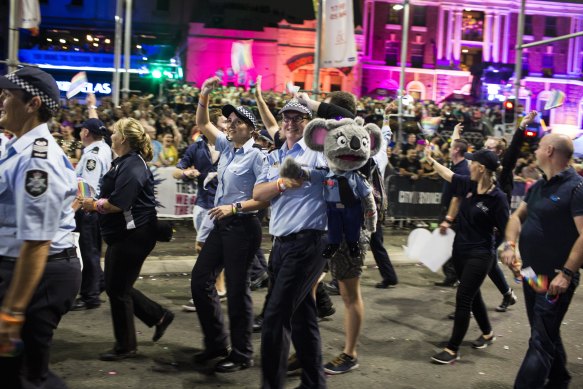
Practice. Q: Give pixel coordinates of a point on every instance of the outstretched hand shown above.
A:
(528, 119)
(209, 85)
(258, 90)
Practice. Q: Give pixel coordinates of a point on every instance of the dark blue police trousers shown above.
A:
(295, 265)
(545, 358)
(231, 245)
(92, 282)
(52, 298)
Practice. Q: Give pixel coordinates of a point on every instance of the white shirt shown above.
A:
(94, 163)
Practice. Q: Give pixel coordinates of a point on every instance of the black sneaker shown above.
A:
(293, 364)
(343, 363)
(508, 300)
(445, 358)
(325, 312)
(354, 250)
(482, 342)
(330, 250)
(332, 288)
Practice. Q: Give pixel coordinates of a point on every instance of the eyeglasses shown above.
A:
(293, 119)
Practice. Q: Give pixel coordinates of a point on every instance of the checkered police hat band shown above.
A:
(248, 115)
(295, 106)
(50, 103)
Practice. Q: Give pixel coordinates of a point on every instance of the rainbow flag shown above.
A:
(241, 57)
(430, 123)
(84, 190)
(77, 84)
(557, 99)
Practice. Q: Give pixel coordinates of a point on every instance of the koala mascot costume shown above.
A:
(347, 145)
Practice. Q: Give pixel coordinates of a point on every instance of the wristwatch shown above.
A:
(239, 206)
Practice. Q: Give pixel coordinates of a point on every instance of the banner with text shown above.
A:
(338, 44)
(417, 199)
(176, 198)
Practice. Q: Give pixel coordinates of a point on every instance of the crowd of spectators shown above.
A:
(171, 125)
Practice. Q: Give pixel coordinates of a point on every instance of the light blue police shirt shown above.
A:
(94, 163)
(297, 209)
(37, 187)
(359, 185)
(237, 171)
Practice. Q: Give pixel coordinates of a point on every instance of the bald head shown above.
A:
(562, 145)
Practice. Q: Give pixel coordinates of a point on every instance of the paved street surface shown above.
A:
(404, 326)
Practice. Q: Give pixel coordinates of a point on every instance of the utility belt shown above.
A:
(67, 254)
(299, 235)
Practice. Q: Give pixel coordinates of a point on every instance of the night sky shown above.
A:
(256, 14)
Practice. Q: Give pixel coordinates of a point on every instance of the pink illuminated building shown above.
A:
(449, 40)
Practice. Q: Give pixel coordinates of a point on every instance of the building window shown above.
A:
(547, 61)
(473, 26)
(162, 5)
(394, 16)
(419, 16)
(527, 24)
(550, 26)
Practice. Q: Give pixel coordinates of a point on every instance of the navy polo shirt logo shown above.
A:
(37, 182)
(482, 207)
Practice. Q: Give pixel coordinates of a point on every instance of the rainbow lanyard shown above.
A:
(538, 282)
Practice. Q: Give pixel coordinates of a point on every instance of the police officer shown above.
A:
(92, 166)
(234, 240)
(298, 221)
(39, 270)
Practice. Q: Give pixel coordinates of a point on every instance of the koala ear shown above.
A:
(375, 138)
(315, 134)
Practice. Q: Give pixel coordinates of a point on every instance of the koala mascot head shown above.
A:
(347, 144)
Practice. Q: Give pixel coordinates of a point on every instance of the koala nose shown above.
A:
(355, 143)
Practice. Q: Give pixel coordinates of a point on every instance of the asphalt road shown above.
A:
(403, 327)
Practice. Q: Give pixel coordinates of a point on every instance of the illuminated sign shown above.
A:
(99, 88)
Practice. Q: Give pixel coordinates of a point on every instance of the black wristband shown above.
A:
(568, 272)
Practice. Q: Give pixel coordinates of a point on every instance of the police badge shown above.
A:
(91, 164)
(36, 182)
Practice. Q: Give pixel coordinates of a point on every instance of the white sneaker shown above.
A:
(189, 307)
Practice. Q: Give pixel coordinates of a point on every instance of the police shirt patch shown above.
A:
(40, 148)
(90, 165)
(95, 150)
(36, 182)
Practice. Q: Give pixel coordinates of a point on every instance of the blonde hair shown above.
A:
(138, 140)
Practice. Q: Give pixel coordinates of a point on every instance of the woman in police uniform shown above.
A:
(127, 217)
(233, 241)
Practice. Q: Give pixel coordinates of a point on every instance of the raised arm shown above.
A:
(267, 117)
(457, 132)
(91, 103)
(202, 112)
(444, 172)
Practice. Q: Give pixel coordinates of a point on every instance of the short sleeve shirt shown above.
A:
(129, 185)
(94, 163)
(549, 232)
(478, 215)
(237, 171)
(37, 188)
(199, 156)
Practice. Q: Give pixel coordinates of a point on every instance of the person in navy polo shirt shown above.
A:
(549, 222)
(483, 208)
(127, 217)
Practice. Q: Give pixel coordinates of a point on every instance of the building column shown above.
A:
(496, 38)
(366, 28)
(440, 34)
(449, 36)
(578, 47)
(457, 38)
(506, 38)
(371, 29)
(487, 44)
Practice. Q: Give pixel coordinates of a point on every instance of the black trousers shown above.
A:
(295, 266)
(53, 298)
(123, 262)
(545, 360)
(231, 245)
(381, 257)
(92, 281)
(472, 270)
